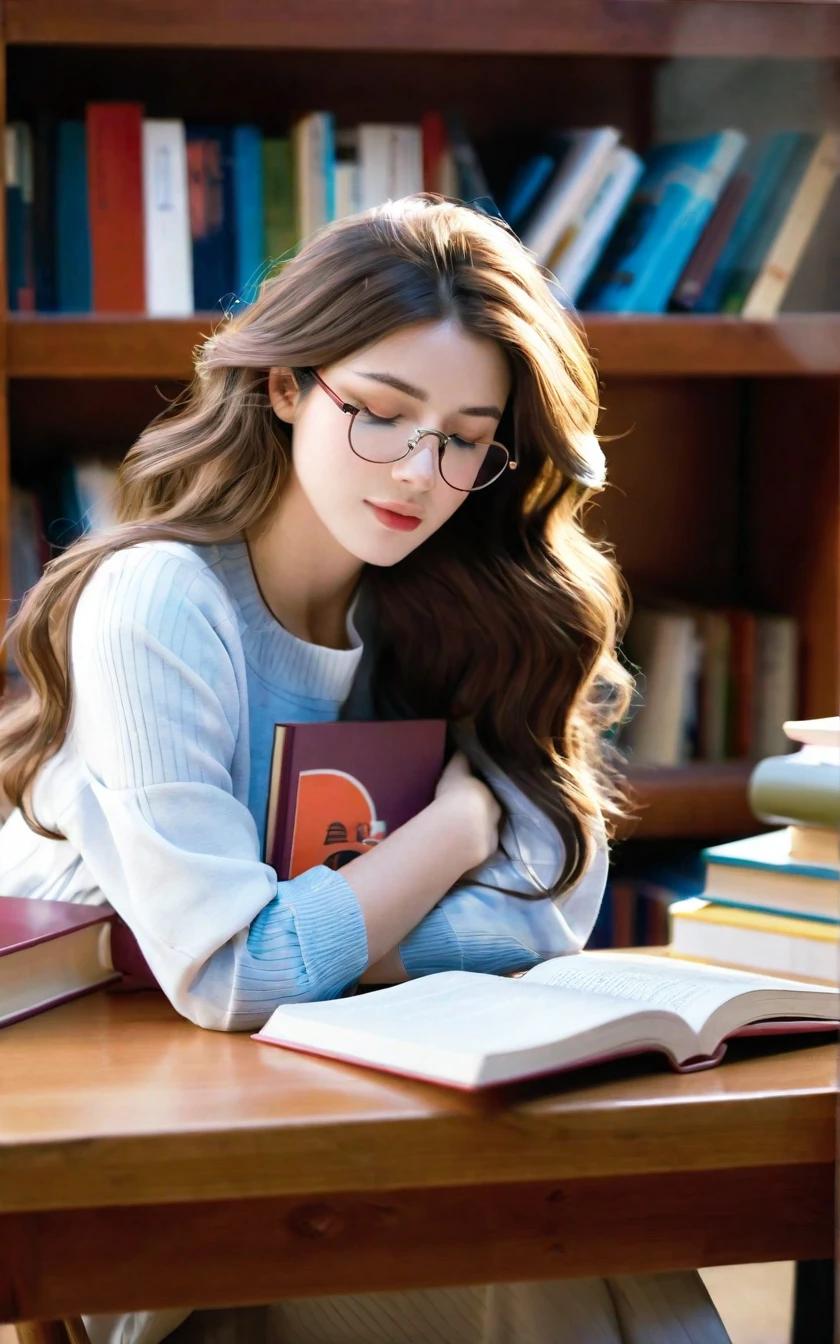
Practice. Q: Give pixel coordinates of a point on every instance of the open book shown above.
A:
(471, 1030)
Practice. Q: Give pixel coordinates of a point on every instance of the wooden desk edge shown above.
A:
(63, 1263)
(787, 1129)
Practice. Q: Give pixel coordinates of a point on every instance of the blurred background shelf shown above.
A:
(90, 346)
(699, 799)
(631, 27)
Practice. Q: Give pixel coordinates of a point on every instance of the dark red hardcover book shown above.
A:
(52, 951)
(115, 194)
(335, 789)
(703, 259)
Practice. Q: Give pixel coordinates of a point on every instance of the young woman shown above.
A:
(368, 504)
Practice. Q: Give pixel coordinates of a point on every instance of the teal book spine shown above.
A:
(765, 164)
(662, 224)
(249, 222)
(762, 237)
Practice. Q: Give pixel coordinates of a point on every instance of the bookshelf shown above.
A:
(724, 466)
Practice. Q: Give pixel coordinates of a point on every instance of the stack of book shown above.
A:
(124, 212)
(772, 902)
(712, 685)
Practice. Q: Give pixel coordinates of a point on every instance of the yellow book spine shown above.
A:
(708, 912)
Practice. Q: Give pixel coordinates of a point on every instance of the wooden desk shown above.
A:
(127, 1134)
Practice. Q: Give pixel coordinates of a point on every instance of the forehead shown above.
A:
(436, 357)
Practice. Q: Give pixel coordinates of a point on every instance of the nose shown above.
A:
(419, 467)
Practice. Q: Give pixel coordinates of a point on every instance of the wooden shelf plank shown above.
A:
(703, 798)
(90, 346)
(632, 27)
(807, 343)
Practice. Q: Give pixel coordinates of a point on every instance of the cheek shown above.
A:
(446, 503)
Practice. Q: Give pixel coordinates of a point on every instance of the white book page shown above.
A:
(695, 992)
(448, 1024)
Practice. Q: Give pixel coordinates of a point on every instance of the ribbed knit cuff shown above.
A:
(496, 954)
(331, 930)
(431, 946)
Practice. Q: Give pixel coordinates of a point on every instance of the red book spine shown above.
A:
(115, 191)
(435, 143)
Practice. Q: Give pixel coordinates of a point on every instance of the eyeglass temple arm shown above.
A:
(342, 405)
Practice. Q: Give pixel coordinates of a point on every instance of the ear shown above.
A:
(283, 394)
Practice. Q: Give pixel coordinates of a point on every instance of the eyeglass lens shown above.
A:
(464, 465)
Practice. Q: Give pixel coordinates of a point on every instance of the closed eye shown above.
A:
(372, 419)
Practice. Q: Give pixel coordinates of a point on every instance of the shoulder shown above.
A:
(153, 580)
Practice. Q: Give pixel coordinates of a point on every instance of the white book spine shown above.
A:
(407, 161)
(374, 163)
(664, 646)
(571, 187)
(310, 151)
(624, 168)
(769, 287)
(168, 245)
(346, 190)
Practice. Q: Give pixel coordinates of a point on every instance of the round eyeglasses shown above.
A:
(463, 463)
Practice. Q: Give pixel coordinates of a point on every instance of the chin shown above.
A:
(384, 557)
(384, 550)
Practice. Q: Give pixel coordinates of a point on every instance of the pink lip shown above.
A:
(397, 521)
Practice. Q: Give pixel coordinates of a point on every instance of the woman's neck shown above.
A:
(307, 580)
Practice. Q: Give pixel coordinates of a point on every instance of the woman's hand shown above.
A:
(459, 789)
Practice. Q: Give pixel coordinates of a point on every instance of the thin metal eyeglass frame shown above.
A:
(419, 433)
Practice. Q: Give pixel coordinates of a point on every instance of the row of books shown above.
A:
(771, 902)
(121, 212)
(125, 213)
(711, 684)
(714, 224)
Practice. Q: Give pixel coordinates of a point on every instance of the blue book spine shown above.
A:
(329, 167)
(249, 228)
(665, 218)
(767, 167)
(74, 288)
(526, 186)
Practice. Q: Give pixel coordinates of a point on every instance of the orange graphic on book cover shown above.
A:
(335, 821)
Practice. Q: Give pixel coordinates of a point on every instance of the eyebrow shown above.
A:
(420, 395)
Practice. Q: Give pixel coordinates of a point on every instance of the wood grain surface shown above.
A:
(640, 27)
(44, 345)
(115, 1100)
(54, 1265)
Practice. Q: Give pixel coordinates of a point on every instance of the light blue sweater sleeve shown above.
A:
(159, 679)
(477, 928)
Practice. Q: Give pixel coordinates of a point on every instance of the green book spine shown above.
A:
(281, 238)
(784, 789)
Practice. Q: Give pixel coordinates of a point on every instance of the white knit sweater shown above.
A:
(179, 674)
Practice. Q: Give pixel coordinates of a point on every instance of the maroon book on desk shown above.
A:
(52, 951)
(335, 789)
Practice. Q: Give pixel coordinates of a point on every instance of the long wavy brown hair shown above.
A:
(506, 619)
